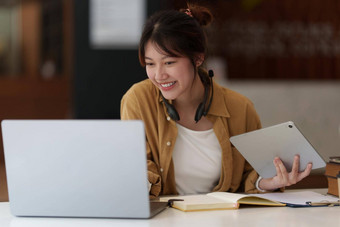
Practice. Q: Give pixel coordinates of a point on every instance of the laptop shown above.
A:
(77, 168)
(284, 140)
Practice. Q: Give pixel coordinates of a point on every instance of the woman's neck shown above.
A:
(186, 107)
(192, 98)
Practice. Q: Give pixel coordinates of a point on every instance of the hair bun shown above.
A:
(200, 13)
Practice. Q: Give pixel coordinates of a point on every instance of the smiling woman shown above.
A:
(174, 66)
(188, 117)
(174, 76)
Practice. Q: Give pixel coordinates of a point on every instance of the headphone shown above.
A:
(201, 111)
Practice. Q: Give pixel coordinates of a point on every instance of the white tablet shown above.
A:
(285, 140)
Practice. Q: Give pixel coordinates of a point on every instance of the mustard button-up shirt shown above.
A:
(230, 113)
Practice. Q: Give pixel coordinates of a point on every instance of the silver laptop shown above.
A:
(77, 168)
(285, 140)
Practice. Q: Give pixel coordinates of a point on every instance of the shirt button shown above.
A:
(161, 169)
(168, 118)
(168, 143)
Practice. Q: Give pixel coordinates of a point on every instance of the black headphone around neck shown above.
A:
(201, 110)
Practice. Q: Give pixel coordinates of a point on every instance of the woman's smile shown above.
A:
(167, 86)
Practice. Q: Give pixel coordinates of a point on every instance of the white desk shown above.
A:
(245, 216)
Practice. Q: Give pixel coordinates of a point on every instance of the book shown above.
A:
(334, 159)
(227, 200)
(331, 172)
(332, 186)
(218, 201)
(332, 169)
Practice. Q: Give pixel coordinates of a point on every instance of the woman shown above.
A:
(189, 118)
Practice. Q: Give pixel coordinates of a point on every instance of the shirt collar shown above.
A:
(218, 106)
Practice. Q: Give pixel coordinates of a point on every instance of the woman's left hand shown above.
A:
(283, 177)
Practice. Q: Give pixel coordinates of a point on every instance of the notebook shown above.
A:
(285, 140)
(217, 201)
(77, 168)
(227, 200)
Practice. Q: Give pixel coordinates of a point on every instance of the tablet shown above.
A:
(285, 140)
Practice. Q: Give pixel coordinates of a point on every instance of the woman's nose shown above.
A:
(160, 74)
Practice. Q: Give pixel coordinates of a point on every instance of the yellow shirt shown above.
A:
(230, 113)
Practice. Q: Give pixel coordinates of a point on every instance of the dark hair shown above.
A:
(178, 33)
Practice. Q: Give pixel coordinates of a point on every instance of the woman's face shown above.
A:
(172, 75)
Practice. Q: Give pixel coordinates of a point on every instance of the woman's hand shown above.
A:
(284, 178)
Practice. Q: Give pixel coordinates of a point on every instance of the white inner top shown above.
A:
(197, 161)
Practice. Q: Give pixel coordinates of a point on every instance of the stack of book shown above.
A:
(332, 170)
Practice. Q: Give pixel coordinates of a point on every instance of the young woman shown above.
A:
(189, 118)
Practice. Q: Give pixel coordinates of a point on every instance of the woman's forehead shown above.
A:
(161, 49)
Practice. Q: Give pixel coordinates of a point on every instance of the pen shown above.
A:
(323, 203)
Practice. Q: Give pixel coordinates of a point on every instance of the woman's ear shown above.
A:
(199, 60)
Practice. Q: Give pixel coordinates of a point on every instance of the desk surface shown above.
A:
(245, 216)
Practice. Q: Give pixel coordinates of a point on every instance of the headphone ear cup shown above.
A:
(171, 110)
(199, 112)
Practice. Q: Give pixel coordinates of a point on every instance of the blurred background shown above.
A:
(74, 59)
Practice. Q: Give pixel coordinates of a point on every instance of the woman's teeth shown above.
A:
(168, 84)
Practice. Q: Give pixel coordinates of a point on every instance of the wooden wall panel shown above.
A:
(28, 95)
(25, 99)
(275, 39)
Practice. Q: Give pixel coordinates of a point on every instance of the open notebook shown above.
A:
(226, 200)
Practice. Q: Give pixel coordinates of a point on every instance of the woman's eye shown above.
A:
(169, 62)
(149, 63)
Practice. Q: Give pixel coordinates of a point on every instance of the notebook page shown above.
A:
(298, 198)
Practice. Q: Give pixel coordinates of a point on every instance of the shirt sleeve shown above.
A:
(130, 110)
(252, 123)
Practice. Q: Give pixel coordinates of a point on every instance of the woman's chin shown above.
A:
(168, 97)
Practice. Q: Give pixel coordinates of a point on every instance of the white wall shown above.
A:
(313, 106)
